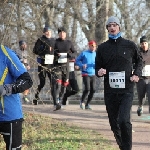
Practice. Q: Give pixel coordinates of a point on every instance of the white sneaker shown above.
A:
(63, 106)
(82, 105)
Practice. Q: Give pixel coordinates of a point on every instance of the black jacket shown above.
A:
(63, 46)
(146, 56)
(42, 47)
(146, 59)
(116, 56)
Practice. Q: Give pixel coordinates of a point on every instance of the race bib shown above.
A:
(49, 59)
(146, 70)
(117, 79)
(62, 58)
(71, 66)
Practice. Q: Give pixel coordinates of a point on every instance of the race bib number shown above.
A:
(62, 58)
(117, 79)
(146, 70)
(71, 66)
(49, 59)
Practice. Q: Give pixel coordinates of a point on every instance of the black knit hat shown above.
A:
(21, 42)
(143, 39)
(61, 29)
(45, 29)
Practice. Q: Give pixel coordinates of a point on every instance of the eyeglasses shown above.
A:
(114, 25)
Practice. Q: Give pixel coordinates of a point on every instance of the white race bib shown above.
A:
(49, 59)
(71, 66)
(62, 58)
(146, 70)
(117, 79)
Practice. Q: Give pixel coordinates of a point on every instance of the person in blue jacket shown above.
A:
(86, 62)
(14, 79)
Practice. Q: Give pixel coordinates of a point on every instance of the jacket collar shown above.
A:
(115, 40)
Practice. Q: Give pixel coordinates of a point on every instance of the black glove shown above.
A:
(6, 89)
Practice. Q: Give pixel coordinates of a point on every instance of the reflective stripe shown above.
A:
(3, 133)
(1, 83)
(5, 73)
(5, 52)
(10, 136)
(4, 76)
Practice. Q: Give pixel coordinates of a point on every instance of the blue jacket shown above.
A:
(10, 106)
(86, 57)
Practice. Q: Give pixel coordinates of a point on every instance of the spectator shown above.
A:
(114, 60)
(14, 79)
(22, 54)
(143, 86)
(44, 47)
(86, 62)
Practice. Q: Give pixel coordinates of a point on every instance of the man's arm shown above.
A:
(39, 47)
(98, 64)
(22, 83)
(137, 61)
(78, 61)
(72, 52)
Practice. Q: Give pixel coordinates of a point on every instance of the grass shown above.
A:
(44, 133)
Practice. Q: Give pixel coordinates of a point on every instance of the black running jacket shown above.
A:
(116, 56)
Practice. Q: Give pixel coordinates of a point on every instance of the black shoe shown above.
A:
(37, 95)
(140, 111)
(57, 107)
(35, 102)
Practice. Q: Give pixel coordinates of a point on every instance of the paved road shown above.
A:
(97, 119)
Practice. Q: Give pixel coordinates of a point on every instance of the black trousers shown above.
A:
(12, 134)
(42, 77)
(118, 107)
(143, 90)
(89, 88)
(72, 88)
(59, 84)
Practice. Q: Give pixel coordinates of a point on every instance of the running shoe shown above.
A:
(35, 102)
(25, 99)
(82, 105)
(140, 110)
(57, 107)
(88, 107)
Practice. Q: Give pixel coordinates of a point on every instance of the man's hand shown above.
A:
(134, 78)
(76, 67)
(84, 66)
(101, 72)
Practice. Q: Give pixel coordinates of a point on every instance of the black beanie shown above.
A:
(45, 29)
(143, 39)
(61, 29)
(21, 42)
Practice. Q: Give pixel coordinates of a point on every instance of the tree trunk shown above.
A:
(101, 33)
